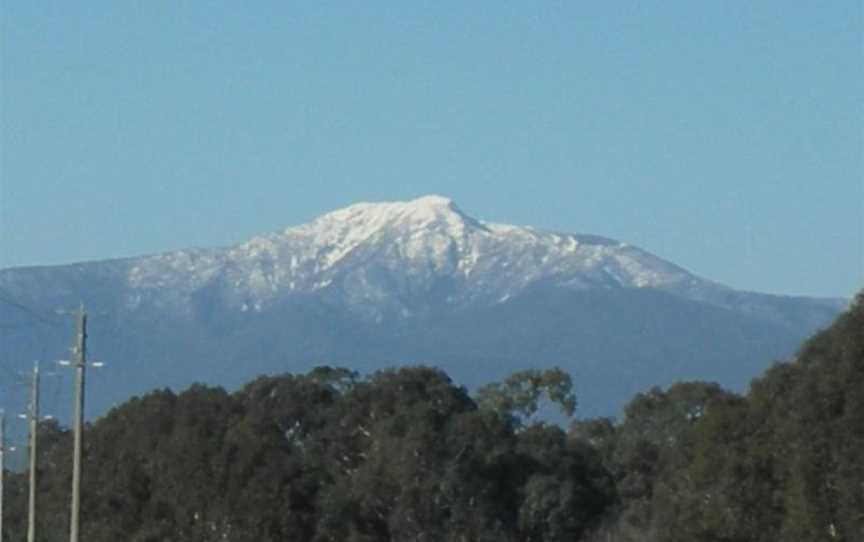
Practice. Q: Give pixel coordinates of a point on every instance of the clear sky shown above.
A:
(727, 137)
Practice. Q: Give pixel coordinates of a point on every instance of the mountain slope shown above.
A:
(402, 282)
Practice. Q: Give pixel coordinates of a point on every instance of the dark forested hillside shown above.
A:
(405, 455)
(784, 463)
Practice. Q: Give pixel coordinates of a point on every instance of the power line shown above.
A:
(41, 318)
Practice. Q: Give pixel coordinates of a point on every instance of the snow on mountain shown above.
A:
(367, 249)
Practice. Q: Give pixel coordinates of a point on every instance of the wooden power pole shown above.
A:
(80, 364)
(2, 466)
(33, 416)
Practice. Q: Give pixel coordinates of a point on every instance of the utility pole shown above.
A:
(2, 465)
(80, 363)
(34, 426)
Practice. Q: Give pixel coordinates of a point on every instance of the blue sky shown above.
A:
(726, 137)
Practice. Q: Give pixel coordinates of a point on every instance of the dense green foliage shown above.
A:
(402, 455)
(405, 455)
(784, 463)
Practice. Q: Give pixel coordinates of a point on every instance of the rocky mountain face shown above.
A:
(382, 284)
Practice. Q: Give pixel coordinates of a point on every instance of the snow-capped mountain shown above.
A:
(371, 253)
(415, 281)
(365, 247)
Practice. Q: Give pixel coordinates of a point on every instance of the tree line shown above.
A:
(407, 455)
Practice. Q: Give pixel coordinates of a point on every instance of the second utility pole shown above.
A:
(2, 465)
(34, 428)
(80, 363)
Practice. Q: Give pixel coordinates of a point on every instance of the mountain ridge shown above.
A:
(334, 236)
(418, 281)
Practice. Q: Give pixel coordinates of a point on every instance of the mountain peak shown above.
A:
(427, 213)
(424, 205)
(432, 201)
